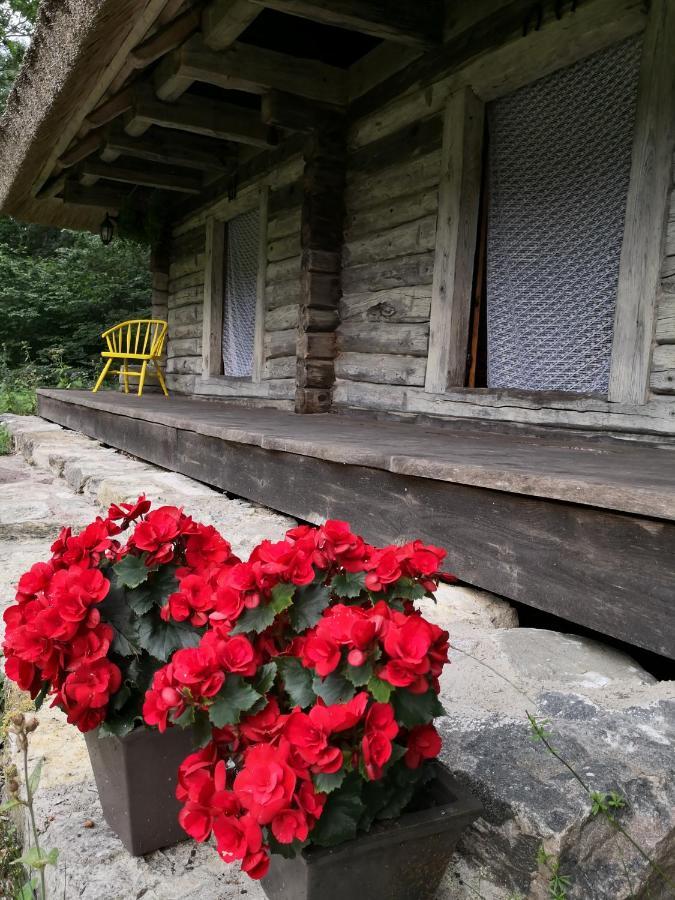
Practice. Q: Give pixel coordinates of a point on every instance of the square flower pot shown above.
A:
(404, 859)
(136, 777)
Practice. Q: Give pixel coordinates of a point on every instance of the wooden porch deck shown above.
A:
(582, 526)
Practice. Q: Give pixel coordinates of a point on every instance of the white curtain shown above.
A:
(241, 276)
(559, 163)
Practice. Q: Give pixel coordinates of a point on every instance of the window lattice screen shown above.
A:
(559, 161)
(241, 276)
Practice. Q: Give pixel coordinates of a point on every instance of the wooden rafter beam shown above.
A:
(294, 113)
(52, 187)
(244, 67)
(176, 148)
(167, 38)
(415, 23)
(82, 149)
(111, 108)
(165, 178)
(210, 118)
(224, 20)
(103, 197)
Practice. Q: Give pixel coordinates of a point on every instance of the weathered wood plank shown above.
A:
(655, 417)
(282, 318)
(184, 315)
(261, 282)
(417, 25)
(212, 317)
(456, 235)
(665, 319)
(284, 247)
(362, 337)
(184, 365)
(396, 211)
(651, 174)
(662, 381)
(283, 224)
(245, 67)
(411, 142)
(406, 271)
(408, 304)
(367, 190)
(380, 368)
(283, 270)
(187, 265)
(282, 293)
(179, 285)
(279, 343)
(224, 20)
(184, 347)
(581, 563)
(418, 236)
(280, 367)
(163, 145)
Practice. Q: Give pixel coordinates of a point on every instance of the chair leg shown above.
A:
(104, 372)
(160, 377)
(141, 380)
(125, 375)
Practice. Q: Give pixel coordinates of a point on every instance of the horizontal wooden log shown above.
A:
(166, 38)
(381, 368)
(654, 417)
(316, 345)
(111, 108)
(280, 367)
(193, 280)
(279, 108)
(321, 290)
(665, 319)
(198, 115)
(663, 381)
(184, 315)
(224, 20)
(187, 265)
(316, 374)
(283, 270)
(164, 145)
(280, 343)
(282, 318)
(186, 297)
(397, 211)
(245, 67)
(663, 357)
(191, 242)
(181, 384)
(367, 190)
(184, 365)
(418, 236)
(379, 276)
(419, 24)
(316, 319)
(410, 142)
(82, 149)
(408, 304)
(166, 178)
(284, 248)
(282, 293)
(184, 347)
(286, 197)
(187, 330)
(284, 224)
(361, 337)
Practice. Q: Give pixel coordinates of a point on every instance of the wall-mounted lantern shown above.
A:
(107, 229)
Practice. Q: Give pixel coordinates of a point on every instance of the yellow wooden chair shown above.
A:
(137, 340)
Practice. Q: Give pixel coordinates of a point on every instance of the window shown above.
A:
(558, 167)
(240, 294)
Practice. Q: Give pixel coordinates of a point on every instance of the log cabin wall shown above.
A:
(662, 378)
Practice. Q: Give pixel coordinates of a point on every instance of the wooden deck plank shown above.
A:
(627, 476)
(609, 571)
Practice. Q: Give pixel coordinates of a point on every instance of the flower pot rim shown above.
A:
(464, 808)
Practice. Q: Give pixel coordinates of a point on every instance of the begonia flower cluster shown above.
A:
(315, 679)
(77, 633)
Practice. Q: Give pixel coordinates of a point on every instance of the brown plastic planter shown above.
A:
(136, 779)
(404, 860)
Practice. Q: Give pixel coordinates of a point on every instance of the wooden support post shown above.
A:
(212, 333)
(160, 260)
(456, 233)
(322, 229)
(646, 208)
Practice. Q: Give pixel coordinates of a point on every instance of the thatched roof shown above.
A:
(77, 49)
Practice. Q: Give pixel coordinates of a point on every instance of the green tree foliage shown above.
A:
(60, 289)
(16, 24)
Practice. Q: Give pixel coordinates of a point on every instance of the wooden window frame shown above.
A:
(214, 293)
(646, 210)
